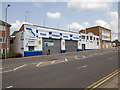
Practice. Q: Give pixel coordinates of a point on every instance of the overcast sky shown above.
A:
(63, 15)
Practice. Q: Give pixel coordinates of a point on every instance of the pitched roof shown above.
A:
(3, 23)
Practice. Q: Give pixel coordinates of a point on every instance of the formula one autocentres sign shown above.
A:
(49, 43)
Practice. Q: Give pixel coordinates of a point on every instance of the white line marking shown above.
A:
(82, 67)
(85, 66)
(76, 57)
(83, 56)
(6, 71)
(9, 87)
(39, 64)
(109, 58)
(66, 59)
(53, 61)
(19, 67)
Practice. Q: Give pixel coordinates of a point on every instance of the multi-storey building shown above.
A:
(103, 33)
(3, 36)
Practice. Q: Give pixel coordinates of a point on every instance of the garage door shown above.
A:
(71, 46)
(52, 46)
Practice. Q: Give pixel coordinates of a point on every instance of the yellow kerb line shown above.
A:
(102, 78)
(105, 80)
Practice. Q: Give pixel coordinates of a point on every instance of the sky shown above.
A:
(71, 16)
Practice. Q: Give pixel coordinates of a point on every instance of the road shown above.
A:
(72, 70)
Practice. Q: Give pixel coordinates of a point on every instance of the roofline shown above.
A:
(3, 23)
(51, 28)
(99, 26)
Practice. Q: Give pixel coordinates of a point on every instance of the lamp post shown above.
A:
(6, 31)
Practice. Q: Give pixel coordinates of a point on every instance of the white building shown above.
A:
(34, 40)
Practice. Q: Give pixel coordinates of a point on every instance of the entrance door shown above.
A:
(71, 46)
(53, 46)
(83, 47)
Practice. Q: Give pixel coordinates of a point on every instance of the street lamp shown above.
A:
(6, 31)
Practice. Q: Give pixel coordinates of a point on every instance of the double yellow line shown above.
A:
(103, 80)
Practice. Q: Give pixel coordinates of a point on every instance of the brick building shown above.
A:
(103, 33)
(2, 37)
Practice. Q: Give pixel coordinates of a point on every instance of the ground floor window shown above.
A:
(2, 51)
(31, 48)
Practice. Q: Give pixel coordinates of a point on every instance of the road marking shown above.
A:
(83, 56)
(105, 80)
(9, 87)
(76, 57)
(102, 79)
(53, 61)
(39, 64)
(66, 59)
(6, 71)
(19, 67)
(82, 67)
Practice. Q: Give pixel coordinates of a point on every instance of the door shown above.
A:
(51, 46)
(71, 46)
(83, 47)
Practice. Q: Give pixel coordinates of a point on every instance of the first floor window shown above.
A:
(83, 37)
(31, 48)
(87, 37)
(90, 37)
(0, 39)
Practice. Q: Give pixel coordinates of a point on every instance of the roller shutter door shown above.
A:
(71, 46)
(54, 49)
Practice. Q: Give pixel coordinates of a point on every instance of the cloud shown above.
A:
(16, 26)
(86, 24)
(37, 4)
(56, 15)
(112, 25)
(77, 27)
(87, 6)
(114, 21)
(102, 23)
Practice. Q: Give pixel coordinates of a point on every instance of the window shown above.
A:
(90, 37)
(0, 39)
(87, 37)
(83, 37)
(2, 27)
(31, 48)
(3, 39)
(97, 38)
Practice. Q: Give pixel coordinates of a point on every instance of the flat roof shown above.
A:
(99, 26)
(52, 28)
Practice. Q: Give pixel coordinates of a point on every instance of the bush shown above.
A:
(12, 55)
(2, 56)
(18, 55)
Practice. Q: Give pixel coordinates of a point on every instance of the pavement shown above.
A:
(112, 83)
(71, 70)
